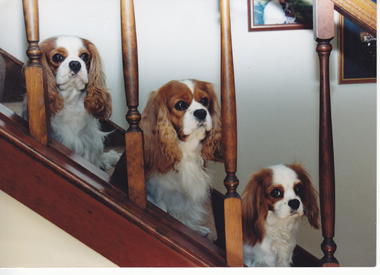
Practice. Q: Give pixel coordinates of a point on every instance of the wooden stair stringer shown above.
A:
(78, 198)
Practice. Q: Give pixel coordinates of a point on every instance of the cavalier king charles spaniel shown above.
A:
(78, 97)
(182, 129)
(273, 202)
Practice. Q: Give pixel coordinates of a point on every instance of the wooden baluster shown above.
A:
(324, 32)
(133, 137)
(232, 201)
(35, 77)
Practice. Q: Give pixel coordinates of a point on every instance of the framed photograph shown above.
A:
(357, 53)
(271, 15)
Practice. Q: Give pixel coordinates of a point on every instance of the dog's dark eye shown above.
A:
(181, 105)
(204, 101)
(57, 58)
(298, 189)
(84, 57)
(276, 193)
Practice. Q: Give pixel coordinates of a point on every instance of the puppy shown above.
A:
(78, 97)
(182, 129)
(273, 202)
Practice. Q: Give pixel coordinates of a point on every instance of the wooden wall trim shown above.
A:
(88, 207)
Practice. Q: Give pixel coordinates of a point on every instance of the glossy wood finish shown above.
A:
(363, 13)
(35, 77)
(232, 204)
(326, 158)
(134, 136)
(324, 31)
(80, 199)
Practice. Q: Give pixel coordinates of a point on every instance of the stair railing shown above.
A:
(35, 77)
(232, 201)
(133, 137)
(362, 13)
(324, 33)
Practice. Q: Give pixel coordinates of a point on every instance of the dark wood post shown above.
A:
(324, 32)
(134, 136)
(35, 77)
(232, 201)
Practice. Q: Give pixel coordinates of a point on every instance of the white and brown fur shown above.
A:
(78, 97)
(182, 130)
(273, 202)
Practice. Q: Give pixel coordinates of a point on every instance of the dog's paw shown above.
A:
(109, 159)
(204, 231)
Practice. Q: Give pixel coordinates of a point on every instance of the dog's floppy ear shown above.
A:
(309, 195)
(255, 207)
(56, 102)
(161, 150)
(98, 100)
(212, 146)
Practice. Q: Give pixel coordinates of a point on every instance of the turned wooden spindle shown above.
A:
(324, 32)
(326, 158)
(134, 136)
(232, 201)
(35, 77)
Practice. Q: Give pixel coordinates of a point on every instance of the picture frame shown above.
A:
(267, 15)
(357, 54)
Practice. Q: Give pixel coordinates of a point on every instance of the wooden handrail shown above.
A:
(134, 136)
(363, 13)
(232, 202)
(324, 33)
(35, 77)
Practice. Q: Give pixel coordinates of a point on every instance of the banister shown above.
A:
(324, 33)
(134, 136)
(35, 77)
(79, 198)
(363, 13)
(232, 202)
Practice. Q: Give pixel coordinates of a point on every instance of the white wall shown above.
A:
(277, 90)
(29, 240)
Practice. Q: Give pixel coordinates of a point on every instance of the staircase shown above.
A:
(96, 209)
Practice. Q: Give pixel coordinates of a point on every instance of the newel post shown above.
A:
(134, 136)
(324, 33)
(232, 201)
(35, 77)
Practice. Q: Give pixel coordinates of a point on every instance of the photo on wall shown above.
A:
(269, 15)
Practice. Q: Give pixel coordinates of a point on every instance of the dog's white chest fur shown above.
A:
(184, 191)
(277, 246)
(75, 128)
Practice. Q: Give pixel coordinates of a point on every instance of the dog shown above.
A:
(182, 130)
(273, 202)
(78, 97)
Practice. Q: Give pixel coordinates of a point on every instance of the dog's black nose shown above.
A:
(294, 204)
(75, 66)
(200, 114)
